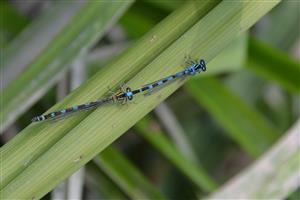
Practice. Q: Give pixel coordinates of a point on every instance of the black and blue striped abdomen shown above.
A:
(63, 112)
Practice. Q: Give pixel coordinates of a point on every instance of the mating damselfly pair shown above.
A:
(126, 94)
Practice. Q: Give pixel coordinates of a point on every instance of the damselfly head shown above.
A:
(197, 67)
(202, 65)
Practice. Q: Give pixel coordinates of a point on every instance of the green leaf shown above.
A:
(245, 125)
(83, 31)
(126, 175)
(10, 28)
(274, 65)
(283, 37)
(266, 178)
(192, 170)
(96, 178)
(232, 58)
(27, 46)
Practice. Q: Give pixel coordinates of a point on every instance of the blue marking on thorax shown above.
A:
(75, 107)
(52, 114)
(63, 111)
(192, 70)
(150, 86)
(129, 94)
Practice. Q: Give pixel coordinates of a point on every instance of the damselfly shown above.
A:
(125, 94)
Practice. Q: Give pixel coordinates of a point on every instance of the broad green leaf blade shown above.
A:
(37, 36)
(96, 178)
(114, 74)
(287, 15)
(294, 195)
(85, 136)
(232, 58)
(245, 125)
(126, 175)
(274, 65)
(192, 170)
(9, 30)
(274, 176)
(167, 5)
(83, 31)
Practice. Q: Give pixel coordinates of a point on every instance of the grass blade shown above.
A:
(86, 27)
(274, 65)
(274, 176)
(195, 172)
(27, 46)
(9, 30)
(102, 183)
(246, 126)
(126, 175)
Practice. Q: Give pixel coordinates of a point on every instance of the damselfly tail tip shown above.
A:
(203, 65)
